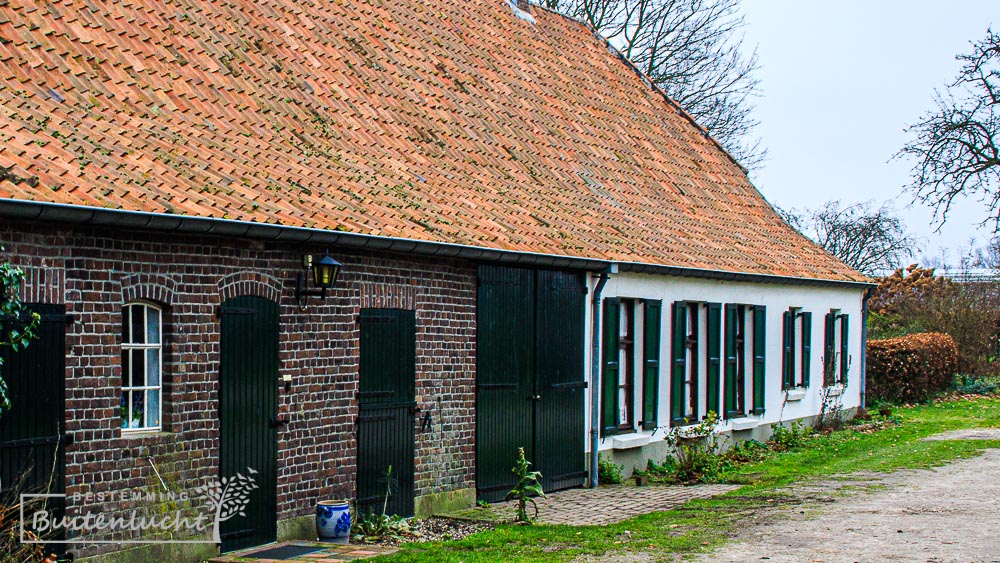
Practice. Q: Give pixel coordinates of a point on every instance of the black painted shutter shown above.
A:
(729, 390)
(807, 325)
(679, 363)
(714, 356)
(651, 362)
(844, 347)
(787, 354)
(610, 375)
(759, 360)
(829, 360)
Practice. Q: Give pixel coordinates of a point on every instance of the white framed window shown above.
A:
(142, 364)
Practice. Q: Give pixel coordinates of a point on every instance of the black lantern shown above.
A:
(324, 276)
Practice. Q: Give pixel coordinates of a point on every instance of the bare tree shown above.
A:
(871, 240)
(987, 256)
(956, 145)
(694, 51)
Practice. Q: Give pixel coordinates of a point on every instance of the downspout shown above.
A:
(864, 343)
(595, 371)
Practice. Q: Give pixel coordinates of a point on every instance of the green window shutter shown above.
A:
(759, 360)
(609, 375)
(829, 359)
(807, 331)
(844, 347)
(714, 357)
(678, 366)
(787, 355)
(651, 362)
(729, 384)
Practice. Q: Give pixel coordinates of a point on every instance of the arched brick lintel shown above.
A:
(148, 287)
(250, 283)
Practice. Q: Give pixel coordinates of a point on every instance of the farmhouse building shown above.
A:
(537, 248)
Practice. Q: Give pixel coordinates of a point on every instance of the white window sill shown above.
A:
(835, 391)
(795, 395)
(629, 441)
(744, 424)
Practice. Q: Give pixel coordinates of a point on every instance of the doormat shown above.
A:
(283, 552)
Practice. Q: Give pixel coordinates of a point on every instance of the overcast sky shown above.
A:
(840, 80)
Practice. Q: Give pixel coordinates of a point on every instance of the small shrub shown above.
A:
(784, 438)
(975, 385)
(749, 451)
(371, 526)
(912, 368)
(609, 473)
(695, 451)
(527, 487)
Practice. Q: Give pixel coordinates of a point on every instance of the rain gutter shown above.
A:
(595, 371)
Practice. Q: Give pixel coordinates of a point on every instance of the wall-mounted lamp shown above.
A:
(324, 275)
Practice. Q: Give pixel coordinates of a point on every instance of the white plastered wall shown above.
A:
(777, 297)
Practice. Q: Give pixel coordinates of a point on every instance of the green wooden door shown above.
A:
(32, 443)
(386, 411)
(530, 377)
(560, 390)
(248, 409)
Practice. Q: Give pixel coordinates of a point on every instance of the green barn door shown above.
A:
(32, 442)
(386, 409)
(530, 389)
(560, 390)
(248, 409)
(505, 365)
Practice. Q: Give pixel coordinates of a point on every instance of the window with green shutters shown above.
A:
(734, 368)
(788, 349)
(836, 348)
(807, 321)
(759, 359)
(845, 358)
(610, 366)
(678, 366)
(713, 356)
(796, 348)
(652, 318)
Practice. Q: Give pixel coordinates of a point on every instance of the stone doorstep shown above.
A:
(332, 553)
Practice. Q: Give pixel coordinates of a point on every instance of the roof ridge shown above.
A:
(645, 78)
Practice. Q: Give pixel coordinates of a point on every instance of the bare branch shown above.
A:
(956, 147)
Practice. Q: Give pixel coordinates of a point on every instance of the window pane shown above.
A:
(124, 409)
(152, 408)
(138, 324)
(152, 325)
(137, 418)
(153, 367)
(138, 368)
(126, 316)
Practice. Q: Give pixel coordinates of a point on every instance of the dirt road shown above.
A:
(951, 513)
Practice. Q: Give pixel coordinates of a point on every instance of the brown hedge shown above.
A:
(911, 368)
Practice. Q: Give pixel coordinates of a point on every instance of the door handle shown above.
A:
(275, 422)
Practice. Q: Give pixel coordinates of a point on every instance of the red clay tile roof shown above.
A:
(426, 119)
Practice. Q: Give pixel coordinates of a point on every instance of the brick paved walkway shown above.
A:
(606, 505)
(331, 553)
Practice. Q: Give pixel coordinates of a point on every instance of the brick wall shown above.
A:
(94, 272)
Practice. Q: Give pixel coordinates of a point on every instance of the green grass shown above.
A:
(701, 524)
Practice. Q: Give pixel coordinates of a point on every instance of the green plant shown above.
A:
(695, 450)
(17, 323)
(975, 385)
(784, 438)
(371, 526)
(482, 503)
(608, 473)
(527, 487)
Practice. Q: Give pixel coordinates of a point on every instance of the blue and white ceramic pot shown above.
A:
(333, 521)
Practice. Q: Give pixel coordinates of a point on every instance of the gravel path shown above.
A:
(951, 513)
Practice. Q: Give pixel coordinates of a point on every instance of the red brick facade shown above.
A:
(94, 272)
